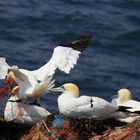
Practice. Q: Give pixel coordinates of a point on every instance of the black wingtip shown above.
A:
(80, 44)
(124, 108)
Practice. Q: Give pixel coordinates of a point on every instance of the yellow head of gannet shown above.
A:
(72, 88)
(124, 95)
(15, 90)
(10, 77)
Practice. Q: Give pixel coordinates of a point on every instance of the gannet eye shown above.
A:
(63, 87)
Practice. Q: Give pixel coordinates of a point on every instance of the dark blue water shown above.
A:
(30, 29)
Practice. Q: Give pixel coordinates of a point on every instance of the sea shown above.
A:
(31, 29)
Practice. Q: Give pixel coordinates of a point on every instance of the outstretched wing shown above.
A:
(4, 68)
(20, 75)
(41, 88)
(64, 58)
(23, 82)
(79, 45)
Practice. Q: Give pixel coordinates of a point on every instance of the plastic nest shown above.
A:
(83, 129)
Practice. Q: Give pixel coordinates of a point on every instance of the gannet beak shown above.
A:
(15, 90)
(58, 89)
(10, 78)
(11, 81)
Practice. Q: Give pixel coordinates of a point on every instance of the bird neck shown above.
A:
(115, 102)
(69, 94)
(14, 99)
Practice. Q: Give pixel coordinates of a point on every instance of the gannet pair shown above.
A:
(19, 112)
(64, 58)
(26, 90)
(70, 104)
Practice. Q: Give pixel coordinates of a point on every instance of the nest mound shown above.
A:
(72, 129)
(83, 129)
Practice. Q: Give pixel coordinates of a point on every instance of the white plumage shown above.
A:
(64, 58)
(4, 67)
(26, 89)
(19, 112)
(82, 107)
(125, 102)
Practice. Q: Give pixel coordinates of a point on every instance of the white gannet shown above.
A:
(27, 90)
(19, 112)
(70, 104)
(125, 102)
(64, 58)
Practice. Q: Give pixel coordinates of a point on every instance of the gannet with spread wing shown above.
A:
(25, 87)
(64, 58)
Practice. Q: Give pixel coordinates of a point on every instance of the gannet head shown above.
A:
(124, 95)
(68, 88)
(71, 88)
(15, 90)
(10, 77)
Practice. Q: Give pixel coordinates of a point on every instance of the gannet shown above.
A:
(125, 102)
(27, 90)
(70, 104)
(64, 58)
(19, 112)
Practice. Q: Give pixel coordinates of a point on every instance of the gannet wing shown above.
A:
(95, 107)
(64, 58)
(32, 113)
(131, 106)
(23, 82)
(41, 88)
(130, 109)
(5, 68)
(19, 75)
(79, 45)
(130, 103)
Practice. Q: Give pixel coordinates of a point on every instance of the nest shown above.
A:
(83, 129)
(73, 129)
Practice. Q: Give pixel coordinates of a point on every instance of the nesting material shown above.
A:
(81, 129)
